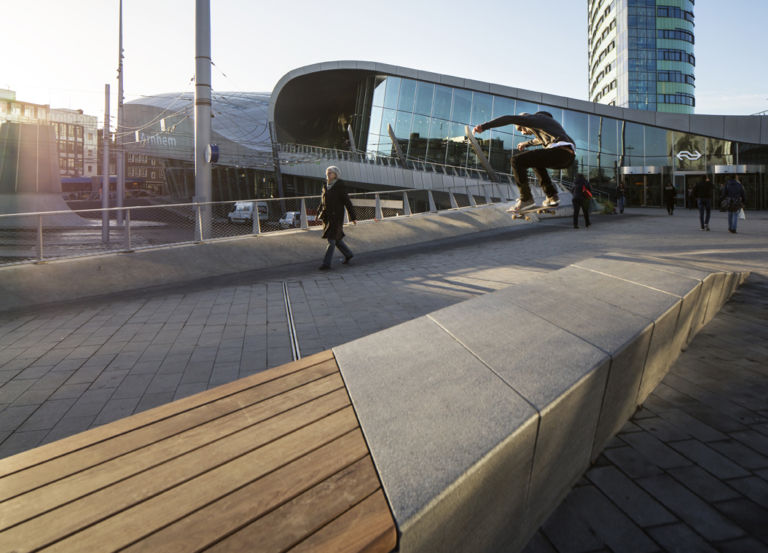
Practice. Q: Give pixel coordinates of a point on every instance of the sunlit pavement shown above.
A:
(67, 368)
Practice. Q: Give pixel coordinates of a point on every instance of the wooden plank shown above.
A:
(51, 496)
(186, 482)
(322, 492)
(46, 452)
(65, 465)
(367, 528)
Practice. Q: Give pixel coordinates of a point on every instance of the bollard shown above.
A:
(303, 216)
(127, 230)
(256, 219)
(39, 237)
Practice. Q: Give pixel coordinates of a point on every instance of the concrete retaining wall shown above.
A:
(481, 416)
(75, 278)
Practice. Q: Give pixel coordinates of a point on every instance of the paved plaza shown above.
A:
(688, 473)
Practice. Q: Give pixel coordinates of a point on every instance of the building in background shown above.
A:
(76, 133)
(641, 54)
(409, 124)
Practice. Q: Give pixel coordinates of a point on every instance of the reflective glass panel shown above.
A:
(393, 89)
(417, 143)
(442, 105)
(657, 146)
(439, 128)
(407, 95)
(482, 108)
(462, 103)
(424, 93)
(503, 106)
(631, 144)
(375, 128)
(378, 93)
(577, 126)
(402, 124)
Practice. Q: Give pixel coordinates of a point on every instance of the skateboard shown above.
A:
(480, 154)
(532, 213)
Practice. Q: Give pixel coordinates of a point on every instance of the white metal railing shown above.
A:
(35, 237)
(303, 153)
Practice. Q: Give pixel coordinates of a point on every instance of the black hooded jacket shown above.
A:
(546, 130)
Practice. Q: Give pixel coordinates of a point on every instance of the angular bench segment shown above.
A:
(496, 406)
(444, 431)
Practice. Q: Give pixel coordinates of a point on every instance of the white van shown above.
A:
(292, 219)
(243, 212)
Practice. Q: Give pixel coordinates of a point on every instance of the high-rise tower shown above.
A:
(641, 54)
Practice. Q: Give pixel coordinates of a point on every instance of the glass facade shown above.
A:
(428, 121)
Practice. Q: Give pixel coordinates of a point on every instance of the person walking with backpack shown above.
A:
(702, 193)
(733, 199)
(582, 199)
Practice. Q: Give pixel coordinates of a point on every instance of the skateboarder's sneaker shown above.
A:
(521, 204)
(551, 201)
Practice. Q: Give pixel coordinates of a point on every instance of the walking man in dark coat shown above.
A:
(333, 201)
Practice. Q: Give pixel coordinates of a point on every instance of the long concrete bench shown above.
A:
(474, 422)
(481, 416)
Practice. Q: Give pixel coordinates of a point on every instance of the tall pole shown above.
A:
(105, 171)
(202, 111)
(120, 159)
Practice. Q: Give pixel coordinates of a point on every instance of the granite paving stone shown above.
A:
(753, 488)
(630, 498)
(703, 518)
(386, 289)
(709, 459)
(680, 538)
(704, 484)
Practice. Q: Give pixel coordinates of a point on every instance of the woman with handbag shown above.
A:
(733, 199)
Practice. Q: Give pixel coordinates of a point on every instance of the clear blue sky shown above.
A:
(62, 53)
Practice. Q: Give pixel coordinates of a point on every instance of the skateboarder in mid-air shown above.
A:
(557, 152)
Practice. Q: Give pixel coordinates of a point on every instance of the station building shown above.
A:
(391, 127)
(319, 104)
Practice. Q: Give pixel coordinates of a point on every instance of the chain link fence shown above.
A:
(45, 236)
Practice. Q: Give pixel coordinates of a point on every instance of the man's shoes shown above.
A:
(324, 267)
(702, 227)
(551, 201)
(575, 226)
(347, 259)
(706, 227)
(521, 204)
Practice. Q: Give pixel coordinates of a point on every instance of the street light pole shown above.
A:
(202, 113)
(120, 159)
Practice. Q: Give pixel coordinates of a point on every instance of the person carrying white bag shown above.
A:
(733, 198)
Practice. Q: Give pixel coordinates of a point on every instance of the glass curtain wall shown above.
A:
(429, 122)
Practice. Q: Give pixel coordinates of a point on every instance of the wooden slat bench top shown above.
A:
(274, 462)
